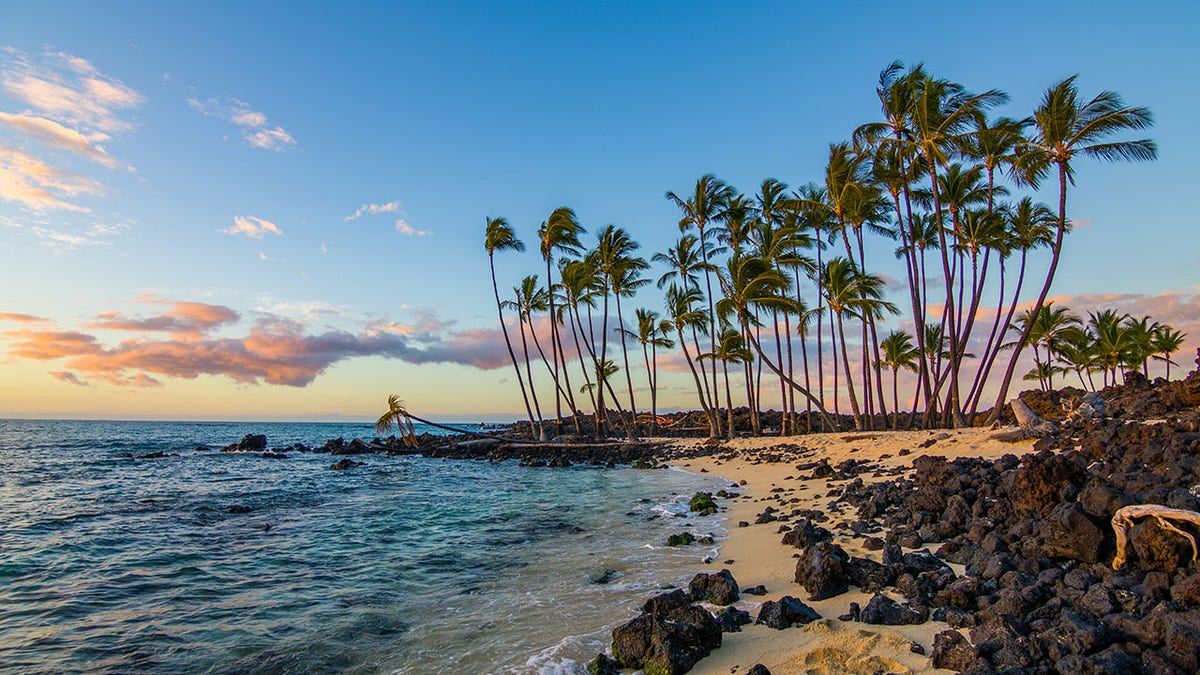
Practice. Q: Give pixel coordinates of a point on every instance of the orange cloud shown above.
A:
(184, 319)
(21, 318)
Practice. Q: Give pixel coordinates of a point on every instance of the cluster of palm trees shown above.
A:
(1107, 343)
(752, 280)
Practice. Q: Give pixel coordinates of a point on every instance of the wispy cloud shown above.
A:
(275, 351)
(21, 318)
(402, 224)
(96, 234)
(71, 107)
(256, 128)
(404, 228)
(372, 209)
(251, 226)
(28, 181)
(52, 134)
(69, 90)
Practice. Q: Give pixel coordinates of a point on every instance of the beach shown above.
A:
(754, 554)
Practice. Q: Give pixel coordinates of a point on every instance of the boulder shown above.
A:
(252, 443)
(664, 603)
(883, 610)
(732, 619)
(343, 464)
(603, 665)
(805, 533)
(670, 644)
(1070, 533)
(821, 569)
(785, 613)
(952, 651)
(1158, 548)
(718, 589)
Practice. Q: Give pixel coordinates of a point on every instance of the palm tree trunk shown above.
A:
(712, 314)
(783, 388)
(558, 426)
(712, 428)
(805, 392)
(508, 343)
(628, 374)
(858, 423)
(955, 410)
(541, 430)
(1055, 252)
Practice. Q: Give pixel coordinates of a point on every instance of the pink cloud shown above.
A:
(184, 319)
(21, 318)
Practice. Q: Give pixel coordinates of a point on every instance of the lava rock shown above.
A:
(603, 665)
(885, 611)
(1070, 533)
(718, 589)
(952, 651)
(670, 644)
(821, 569)
(732, 619)
(785, 613)
(343, 464)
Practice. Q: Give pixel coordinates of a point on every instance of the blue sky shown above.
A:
(286, 119)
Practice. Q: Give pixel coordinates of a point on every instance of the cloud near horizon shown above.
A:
(275, 351)
(256, 130)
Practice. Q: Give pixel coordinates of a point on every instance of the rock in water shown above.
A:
(253, 442)
(785, 613)
(666, 602)
(603, 665)
(718, 589)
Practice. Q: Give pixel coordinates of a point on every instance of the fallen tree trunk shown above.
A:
(1123, 519)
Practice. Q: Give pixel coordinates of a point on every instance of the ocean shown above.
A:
(234, 563)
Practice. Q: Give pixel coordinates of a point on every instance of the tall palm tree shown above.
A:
(560, 232)
(729, 347)
(618, 268)
(898, 353)
(1064, 126)
(850, 292)
(685, 261)
(705, 205)
(499, 236)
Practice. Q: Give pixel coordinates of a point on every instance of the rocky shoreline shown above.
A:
(1031, 538)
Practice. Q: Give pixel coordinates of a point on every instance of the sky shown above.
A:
(275, 210)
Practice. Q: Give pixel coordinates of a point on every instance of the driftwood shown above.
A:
(1123, 519)
(1028, 420)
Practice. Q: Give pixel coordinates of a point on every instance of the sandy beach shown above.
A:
(754, 554)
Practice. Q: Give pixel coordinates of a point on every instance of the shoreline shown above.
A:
(755, 555)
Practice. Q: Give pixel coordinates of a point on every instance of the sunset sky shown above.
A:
(275, 210)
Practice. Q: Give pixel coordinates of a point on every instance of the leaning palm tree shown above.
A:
(850, 292)
(619, 271)
(1063, 127)
(527, 299)
(399, 416)
(500, 237)
(729, 347)
(559, 233)
(898, 353)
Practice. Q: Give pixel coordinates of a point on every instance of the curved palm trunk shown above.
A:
(895, 402)
(803, 391)
(858, 423)
(628, 374)
(1056, 251)
(712, 314)
(587, 380)
(783, 388)
(985, 361)
(729, 433)
(914, 292)
(566, 371)
(708, 413)
(541, 430)
(508, 343)
(650, 381)
(953, 402)
(558, 425)
(791, 411)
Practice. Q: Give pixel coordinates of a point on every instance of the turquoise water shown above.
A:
(407, 564)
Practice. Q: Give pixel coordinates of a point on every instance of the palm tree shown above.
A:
(1116, 344)
(500, 237)
(684, 263)
(651, 337)
(898, 352)
(703, 206)
(529, 298)
(1166, 341)
(400, 417)
(1064, 126)
(1076, 348)
(560, 232)
(618, 269)
(682, 313)
(1045, 328)
(730, 347)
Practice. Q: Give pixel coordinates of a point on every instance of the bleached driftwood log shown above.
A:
(1123, 519)
(1029, 421)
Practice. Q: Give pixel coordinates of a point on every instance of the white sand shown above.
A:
(828, 646)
